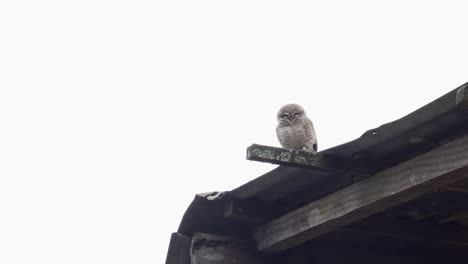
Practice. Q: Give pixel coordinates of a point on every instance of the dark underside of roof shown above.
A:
(431, 228)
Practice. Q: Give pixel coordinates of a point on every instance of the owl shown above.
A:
(295, 130)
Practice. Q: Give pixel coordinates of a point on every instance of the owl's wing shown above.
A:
(312, 131)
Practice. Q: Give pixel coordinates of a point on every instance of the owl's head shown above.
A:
(290, 114)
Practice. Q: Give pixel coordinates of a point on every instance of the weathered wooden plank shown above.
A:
(432, 206)
(425, 126)
(300, 159)
(443, 242)
(421, 232)
(283, 180)
(442, 166)
(179, 249)
(248, 211)
(216, 249)
(295, 158)
(454, 218)
(350, 256)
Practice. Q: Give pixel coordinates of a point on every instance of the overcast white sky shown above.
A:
(114, 114)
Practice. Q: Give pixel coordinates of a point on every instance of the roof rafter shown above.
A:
(393, 186)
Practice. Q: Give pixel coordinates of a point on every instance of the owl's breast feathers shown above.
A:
(297, 136)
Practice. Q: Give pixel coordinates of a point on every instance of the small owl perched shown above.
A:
(295, 130)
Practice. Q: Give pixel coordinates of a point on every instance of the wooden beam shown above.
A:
(248, 211)
(454, 218)
(434, 205)
(426, 233)
(216, 249)
(406, 181)
(283, 180)
(454, 189)
(352, 256)
(179, 249)
(295, 158)
(433, 123)
(300, 159)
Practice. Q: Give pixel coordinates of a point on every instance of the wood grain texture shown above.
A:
(442, 166)
(283, 156)
(216, 249)
(302, 159)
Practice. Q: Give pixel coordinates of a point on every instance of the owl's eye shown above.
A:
(297, 114)
(284, 116)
